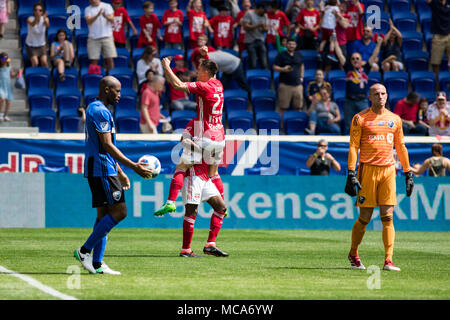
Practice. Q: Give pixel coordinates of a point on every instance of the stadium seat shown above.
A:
(309, 58)
(71, 82)
(379, 3)
(394, 98)
(258, 79)
(124, 75)
(405, 21)
(411, 41)
(91, 80)
(398, 6)
(416, 61)
(444, 81)
(41, 99)
(69, 120)
(374, 77)
(308, 76)
(25, 8)
(127, 102)
(44, 119)
(338, 83)
(423, 82)
(276, 80)
(240, 119)
(134, 8)
(55, 7)
(44, 168)
(383, 20)
(295, 122)
(396, 82)
(123, 58)
(271, 55)
(269, 120)
(136, 55)
(127, 121)
(169, 52)
(37, 77)
(263, 100)
(236, 99)
(69, 101)
(180, 118)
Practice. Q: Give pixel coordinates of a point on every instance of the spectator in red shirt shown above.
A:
(277, 21)
(150, 27)
(120, 18)
(246, 5)
(179, 99)
(355, 29)
(150, 105)
(407, 110)
(308, 22)
(198, 22)
(196, 54)
(223, 27)
(173, 21)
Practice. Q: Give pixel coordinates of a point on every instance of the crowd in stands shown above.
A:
(302, 66)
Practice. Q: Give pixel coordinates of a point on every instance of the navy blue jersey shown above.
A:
(97, 162)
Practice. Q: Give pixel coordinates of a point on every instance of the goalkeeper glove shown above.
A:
(409, 183)
(352, 182)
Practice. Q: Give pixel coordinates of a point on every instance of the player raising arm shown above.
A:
(206, 129)
(374, 132)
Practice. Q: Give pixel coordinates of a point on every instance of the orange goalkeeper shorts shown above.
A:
(378, 186)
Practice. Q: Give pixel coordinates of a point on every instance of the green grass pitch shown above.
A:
(263, 264)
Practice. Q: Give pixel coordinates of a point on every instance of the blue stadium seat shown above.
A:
(126, 102)
(70, 70)
(136, 55)
(309, 58)
(308, 76)
(396, 97)
(398, 6)
(84, 72)
(338, 83)
(91, 80)
(44, 168)
(180, 118)
(276, 80)
(123, 58)
(169, 52)
(411, 41)
(271, 55)
(127, 121)
(258, 79)
(240, 119)
(69, 119)
(40, 99)
(236, 99)
(374, 77)
(81, 3)
(405, 21)
(124, 75)
(90, 94)
(37, 77)
(379, 3)
(268, 120)
(396, 81)
(423, 82)
(166, 114)
(444, 81)
(44, 119)
(55, 7)
(134, 8)
(383, 27)
(71, 82)
(69, 101)
(295, 122)
(416, 61)
(25, 8)
(263, 100)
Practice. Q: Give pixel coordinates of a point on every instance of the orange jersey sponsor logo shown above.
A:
(376, 135)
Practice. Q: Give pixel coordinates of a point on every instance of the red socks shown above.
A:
(214, 227)
(218, 183)
(176, 184)
(188, 231)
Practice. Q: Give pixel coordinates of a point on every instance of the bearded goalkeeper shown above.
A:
(375, 131)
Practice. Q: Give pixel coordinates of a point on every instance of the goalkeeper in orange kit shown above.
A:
(375, 131)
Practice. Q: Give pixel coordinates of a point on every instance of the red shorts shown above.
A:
(326, 34)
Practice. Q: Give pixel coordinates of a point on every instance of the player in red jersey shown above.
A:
(206, 129)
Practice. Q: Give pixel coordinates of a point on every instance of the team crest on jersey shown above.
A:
(104, 125)
(361, 199)
(116, 195)
(197, 196)
(390, 124)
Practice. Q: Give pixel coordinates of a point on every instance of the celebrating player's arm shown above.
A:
(173, 80)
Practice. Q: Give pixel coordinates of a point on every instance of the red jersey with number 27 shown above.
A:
(209, 107)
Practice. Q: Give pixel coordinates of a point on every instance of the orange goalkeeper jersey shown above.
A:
(376, 135)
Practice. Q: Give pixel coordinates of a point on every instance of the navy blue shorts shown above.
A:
(106, 191)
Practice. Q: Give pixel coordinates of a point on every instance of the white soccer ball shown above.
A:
(152, 163)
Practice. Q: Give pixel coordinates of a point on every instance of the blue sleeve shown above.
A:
(102, 121)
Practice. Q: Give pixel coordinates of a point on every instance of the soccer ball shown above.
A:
(152, 163)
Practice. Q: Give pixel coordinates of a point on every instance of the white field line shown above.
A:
(33, 282)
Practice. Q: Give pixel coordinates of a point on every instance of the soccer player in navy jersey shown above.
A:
(106, 179)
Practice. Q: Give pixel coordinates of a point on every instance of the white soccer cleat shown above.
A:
(390, 266)
(355, 262)
(104, 269)
(85, 259)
